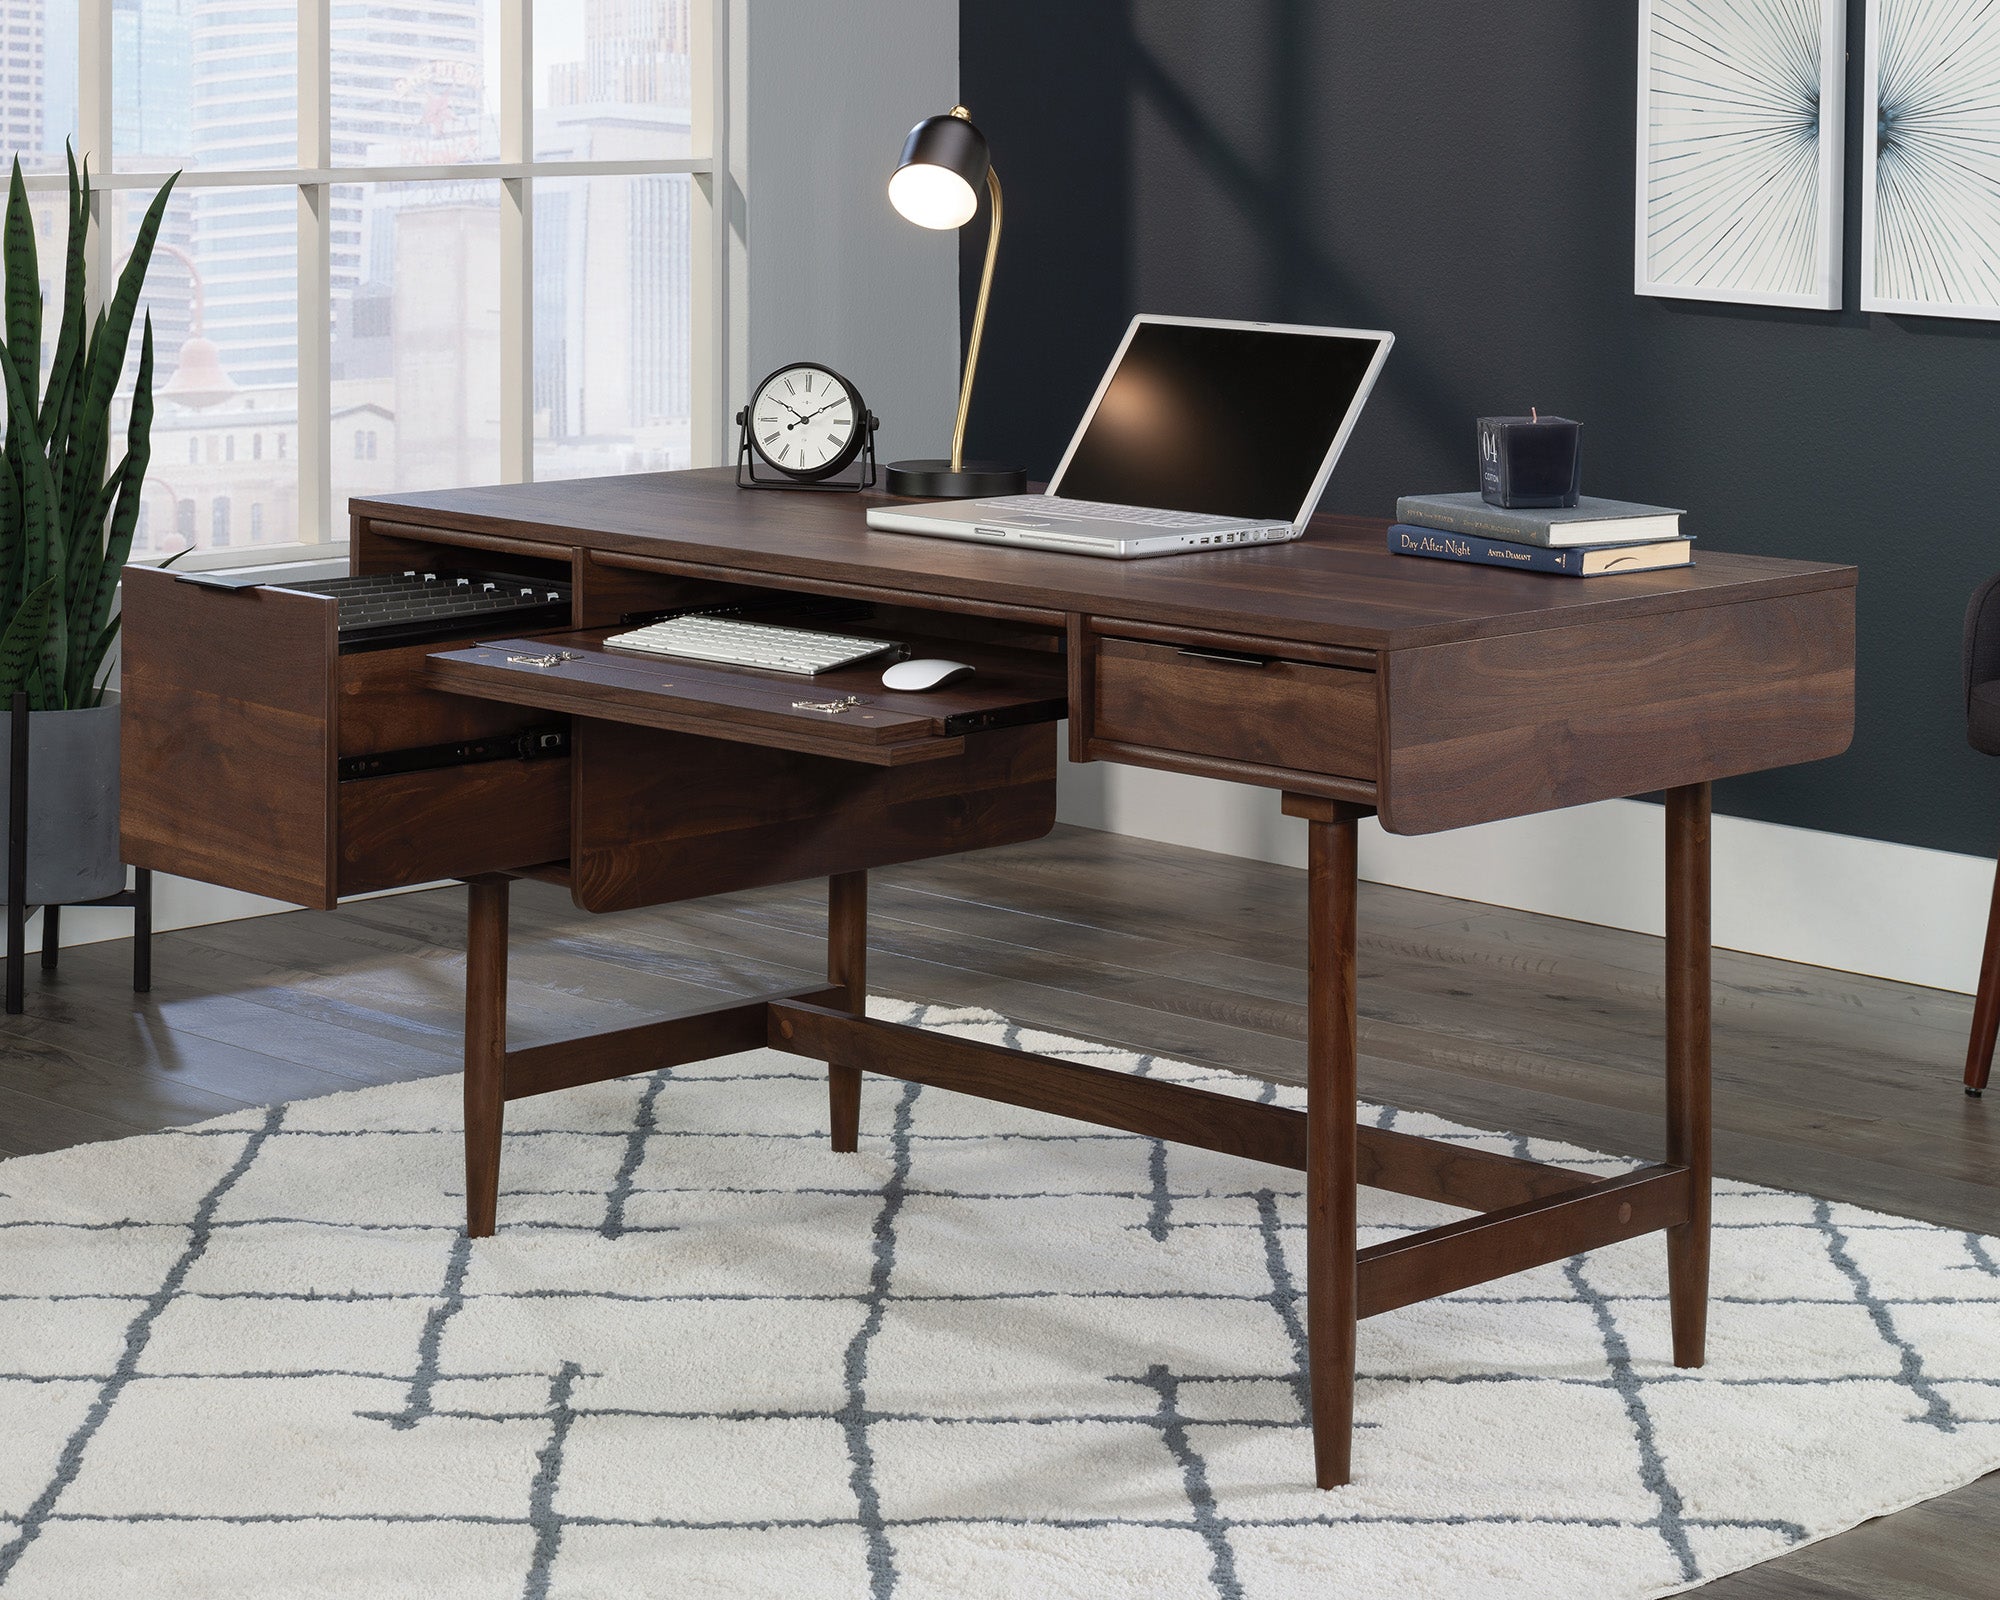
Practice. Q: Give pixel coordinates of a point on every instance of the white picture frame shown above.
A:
(1930, 206)
(1740, 151)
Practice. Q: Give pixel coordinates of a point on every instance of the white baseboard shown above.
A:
(1860, 905)
(1827, 899)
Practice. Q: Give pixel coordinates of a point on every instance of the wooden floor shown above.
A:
(1842, 1086)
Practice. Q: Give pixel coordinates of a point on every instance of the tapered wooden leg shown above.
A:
(1688, 1095)
(847, 963)
(1331, 1084)
(1986, 1009)
(485, 1049)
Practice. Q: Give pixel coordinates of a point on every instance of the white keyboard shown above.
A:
(1049, 505)
(749, 644)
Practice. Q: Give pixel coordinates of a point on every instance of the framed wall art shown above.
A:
(1930, 179)
(1740, 136)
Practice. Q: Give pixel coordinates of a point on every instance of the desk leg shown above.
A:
(1331, 1087)
(485, 1049)
(1688, 1094)
(1986, 1006)
(847, 964)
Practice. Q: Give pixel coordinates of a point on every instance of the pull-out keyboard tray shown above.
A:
(845, 713)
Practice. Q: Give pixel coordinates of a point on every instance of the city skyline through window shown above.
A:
(467, 272)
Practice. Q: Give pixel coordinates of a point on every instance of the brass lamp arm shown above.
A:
(978, 325)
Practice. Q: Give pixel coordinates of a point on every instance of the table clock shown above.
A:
(808, 425)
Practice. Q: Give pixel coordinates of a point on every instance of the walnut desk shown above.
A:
(1431, 694)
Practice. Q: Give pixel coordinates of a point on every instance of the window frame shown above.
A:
(324, 526)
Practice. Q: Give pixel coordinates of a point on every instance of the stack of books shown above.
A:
(1586, 540)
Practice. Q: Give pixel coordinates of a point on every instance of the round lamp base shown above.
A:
(934, 480)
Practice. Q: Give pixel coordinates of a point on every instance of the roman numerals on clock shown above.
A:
(808, 423)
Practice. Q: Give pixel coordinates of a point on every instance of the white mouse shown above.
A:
(923, 674)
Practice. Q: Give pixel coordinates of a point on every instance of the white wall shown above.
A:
(834, 275)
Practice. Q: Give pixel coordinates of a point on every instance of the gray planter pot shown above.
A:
(72, 804)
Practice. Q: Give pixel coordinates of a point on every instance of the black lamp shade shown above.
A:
(940, 173)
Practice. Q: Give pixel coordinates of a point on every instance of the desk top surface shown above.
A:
(1338, 585)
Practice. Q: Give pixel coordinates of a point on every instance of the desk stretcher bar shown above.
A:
(1532, 1213)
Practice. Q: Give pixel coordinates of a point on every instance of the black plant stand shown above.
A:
(139, 897)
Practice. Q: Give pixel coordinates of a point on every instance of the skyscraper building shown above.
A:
(635, 52)
(59, 78)
(152, 59)
(243, 112)
(613, 340)
(407, 88)
(23, 75)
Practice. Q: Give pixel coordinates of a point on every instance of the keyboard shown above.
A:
(392, 608)
(729, 642)
(1049, 505)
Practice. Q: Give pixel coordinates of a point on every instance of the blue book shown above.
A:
(1573, 561)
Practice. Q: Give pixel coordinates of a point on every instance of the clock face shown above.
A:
(805, 421)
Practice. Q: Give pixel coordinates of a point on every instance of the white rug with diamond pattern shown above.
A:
(994, 1354)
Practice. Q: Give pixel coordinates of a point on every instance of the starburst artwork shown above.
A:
(1930, 195)
(1739, 183)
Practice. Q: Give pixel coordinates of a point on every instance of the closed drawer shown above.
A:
(1291, 716)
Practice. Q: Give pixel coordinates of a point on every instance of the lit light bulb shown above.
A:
(932, 197)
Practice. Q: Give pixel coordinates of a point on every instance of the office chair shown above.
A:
(1982, 728)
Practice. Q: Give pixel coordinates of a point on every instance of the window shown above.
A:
(430, 267)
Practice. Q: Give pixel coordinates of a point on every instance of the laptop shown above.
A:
(1202, 434)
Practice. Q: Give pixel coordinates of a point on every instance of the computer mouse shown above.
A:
(923, 674)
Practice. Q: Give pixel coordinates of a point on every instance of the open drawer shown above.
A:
(845, 714)
(258, 756)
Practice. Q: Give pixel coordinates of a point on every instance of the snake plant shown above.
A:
(65, 523)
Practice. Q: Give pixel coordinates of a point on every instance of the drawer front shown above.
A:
(664, 816)
(238, 708)
(1288, 715)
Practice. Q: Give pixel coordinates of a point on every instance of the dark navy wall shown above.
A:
(1461, 172)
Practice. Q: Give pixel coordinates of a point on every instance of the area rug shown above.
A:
(994, 1354)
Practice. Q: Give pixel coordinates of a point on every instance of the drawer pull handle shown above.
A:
(1227, 657)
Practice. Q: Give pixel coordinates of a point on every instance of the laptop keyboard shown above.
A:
(1099, 511)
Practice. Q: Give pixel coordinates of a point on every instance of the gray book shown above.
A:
(1589, 521)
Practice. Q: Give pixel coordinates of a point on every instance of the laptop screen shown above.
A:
(1234, 420)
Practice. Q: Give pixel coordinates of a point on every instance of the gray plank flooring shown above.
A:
(1838, 1085)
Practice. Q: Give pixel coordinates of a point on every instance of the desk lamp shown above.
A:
(936, 185)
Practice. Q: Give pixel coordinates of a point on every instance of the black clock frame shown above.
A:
(749, 451)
